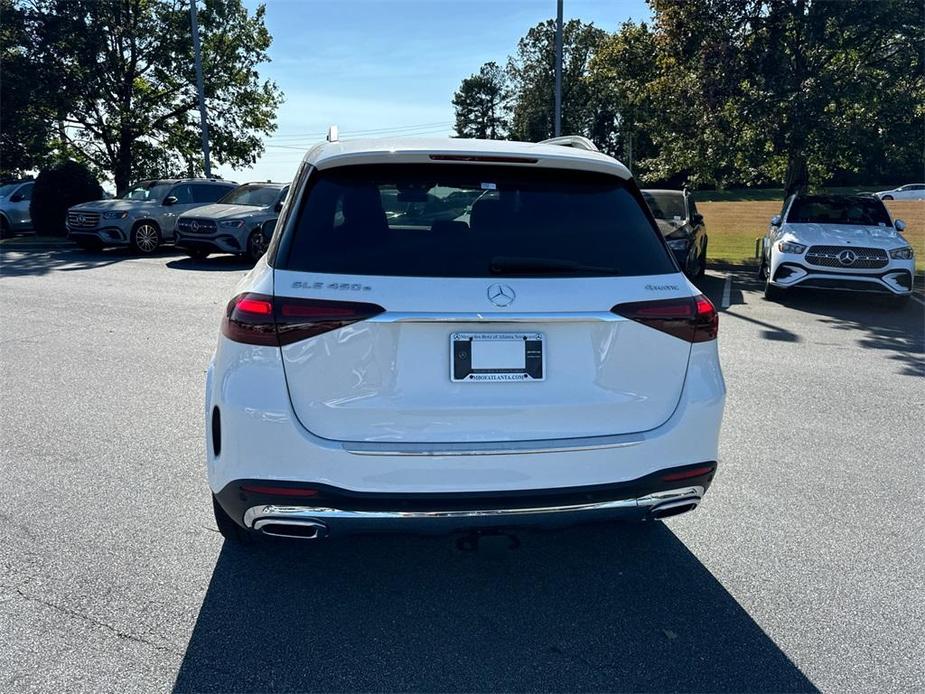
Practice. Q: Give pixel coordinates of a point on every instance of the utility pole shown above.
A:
(558, 68)
(203, 117)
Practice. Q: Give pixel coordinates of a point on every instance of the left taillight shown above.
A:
(258, 319)
(693, 319)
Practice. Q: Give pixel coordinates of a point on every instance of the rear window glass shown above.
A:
(445, 220)
(830, 209)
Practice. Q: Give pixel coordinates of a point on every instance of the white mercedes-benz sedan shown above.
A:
(453, 335)
(841, 242)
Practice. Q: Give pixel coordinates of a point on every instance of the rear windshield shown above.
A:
(831, 209)
(446, 220)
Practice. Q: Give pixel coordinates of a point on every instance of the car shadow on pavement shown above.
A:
(217, 263)
(604, 608)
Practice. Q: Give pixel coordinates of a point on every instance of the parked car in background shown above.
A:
(682, 226)
(912, 191)
(843, 242)
(14, 207)
(234, 224)
(534, 360)
(145, 216)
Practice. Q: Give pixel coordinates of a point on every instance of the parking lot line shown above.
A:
(727, 292)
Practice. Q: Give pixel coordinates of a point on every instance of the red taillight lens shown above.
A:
(691, 319)
(298, 319)
(249, 319)
(257, 319)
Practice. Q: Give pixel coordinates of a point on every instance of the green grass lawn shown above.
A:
(734, 224)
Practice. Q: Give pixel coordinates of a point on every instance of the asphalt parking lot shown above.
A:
(802, 569)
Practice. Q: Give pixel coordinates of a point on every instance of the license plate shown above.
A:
(505, 357)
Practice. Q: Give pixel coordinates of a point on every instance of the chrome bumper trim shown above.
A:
(492, 447)
(359, 521)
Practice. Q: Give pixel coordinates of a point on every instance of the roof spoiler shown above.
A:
(576, 141)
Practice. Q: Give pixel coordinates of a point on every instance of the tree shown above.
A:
(532, 74)
(127, 67)
(619, 82)
(480, 104)
(787, 90)
(26, 112)
(57, 188)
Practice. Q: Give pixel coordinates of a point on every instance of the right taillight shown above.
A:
(693, 319)
(258, 319)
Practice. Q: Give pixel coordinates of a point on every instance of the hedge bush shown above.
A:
(57, 188)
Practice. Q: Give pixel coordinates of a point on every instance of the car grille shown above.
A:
(83, 220)
(847, 257)
(196, 226)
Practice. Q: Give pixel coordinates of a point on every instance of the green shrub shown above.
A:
(57, 188)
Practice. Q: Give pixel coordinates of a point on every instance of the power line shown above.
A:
(360, 133)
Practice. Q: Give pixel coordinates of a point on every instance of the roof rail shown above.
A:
(576, 141)
(332, 134)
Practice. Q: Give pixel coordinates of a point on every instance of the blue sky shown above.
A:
(373, 65)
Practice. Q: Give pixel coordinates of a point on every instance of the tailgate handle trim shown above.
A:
(427, 317)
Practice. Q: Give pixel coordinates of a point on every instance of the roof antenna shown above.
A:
(332, 134)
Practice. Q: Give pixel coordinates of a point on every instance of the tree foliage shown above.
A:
(737, 92)
(532, 73)
(58, 187)
(481, 102)
(126, 68)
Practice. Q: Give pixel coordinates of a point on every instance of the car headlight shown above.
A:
(231, 223)
(902, 253)
(790, 247)
(678, 244)
(115, 215)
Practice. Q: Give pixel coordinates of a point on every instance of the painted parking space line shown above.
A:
(916, 297)
(727, 292)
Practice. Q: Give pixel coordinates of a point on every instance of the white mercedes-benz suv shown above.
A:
(841, 242)
(451, 335)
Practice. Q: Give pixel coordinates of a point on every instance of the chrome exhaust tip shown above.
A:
(673, 508)
(299, 529)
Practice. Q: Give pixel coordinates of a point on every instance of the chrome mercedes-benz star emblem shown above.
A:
(82, 219)
(501, 295)
(194, 225)
(847, 257)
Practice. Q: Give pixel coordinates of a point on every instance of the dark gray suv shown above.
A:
(145, 216)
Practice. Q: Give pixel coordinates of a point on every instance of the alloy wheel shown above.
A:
(146, 238)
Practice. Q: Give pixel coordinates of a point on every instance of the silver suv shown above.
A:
(145, 216)
(14, 207)
(235, 224)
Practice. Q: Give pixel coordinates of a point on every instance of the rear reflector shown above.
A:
(257, 319)
(692, 319)
(687, 474)
(278, 491)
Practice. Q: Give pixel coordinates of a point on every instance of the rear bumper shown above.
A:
(337, 512)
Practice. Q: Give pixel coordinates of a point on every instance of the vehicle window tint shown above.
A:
(834, 209)
(692, 205)
(26, 191)
(204, 192)
(182, 194)
(665, 205)
(916, 186)
(473, 221)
